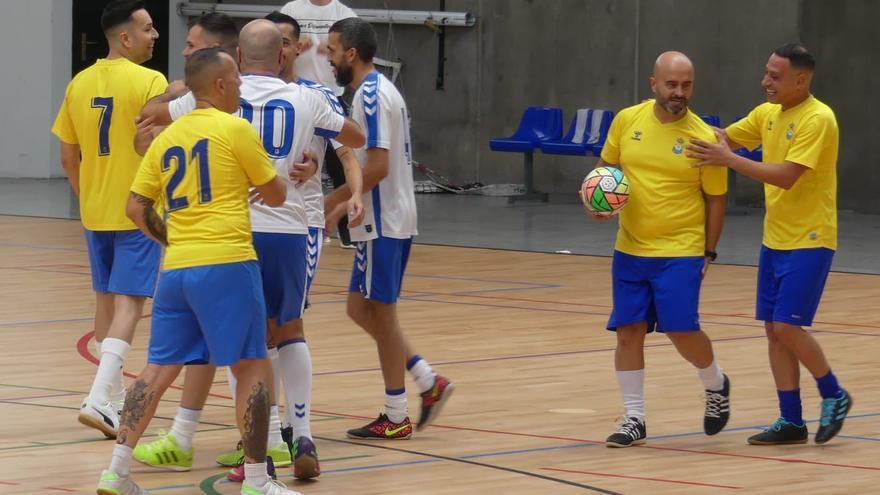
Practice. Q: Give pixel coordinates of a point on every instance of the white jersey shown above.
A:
(390, 207)
(312, 190)
(286, 117)
(314, 22)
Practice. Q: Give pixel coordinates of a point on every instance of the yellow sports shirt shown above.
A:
(666, 212)
(804, 216)
(201, 167)
(98, 114)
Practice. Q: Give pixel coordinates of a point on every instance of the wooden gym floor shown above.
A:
(521, 335)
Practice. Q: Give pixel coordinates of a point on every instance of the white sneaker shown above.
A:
(100, 417)
(273, 487)
(113, 484)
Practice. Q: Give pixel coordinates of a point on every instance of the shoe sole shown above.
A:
(355, 437)
(164, 467)
(92, 422)
(107, 491)
(615, 445)
(435, 411)
(783, 442)
(306, 468)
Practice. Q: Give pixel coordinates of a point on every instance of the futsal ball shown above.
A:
(605, 190)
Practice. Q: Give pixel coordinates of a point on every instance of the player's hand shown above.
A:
(177, 88)
(304, 171)
(305, 42)
(355, 212)
(144, 134)
(711, 154)
(333, 212)
(254, 196)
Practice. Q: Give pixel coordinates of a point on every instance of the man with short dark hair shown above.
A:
(799, 137)
(385, 236)
(96, 127)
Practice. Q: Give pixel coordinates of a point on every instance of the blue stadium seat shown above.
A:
(537, 124)
(713, 120)
(597, 137)
(576, 142)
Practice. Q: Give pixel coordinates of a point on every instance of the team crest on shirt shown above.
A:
(637, 136)
(679, 146)
(790, 133)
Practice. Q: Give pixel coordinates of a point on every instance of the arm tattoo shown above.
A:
(256, 424)
(154, 224)
(138, 398)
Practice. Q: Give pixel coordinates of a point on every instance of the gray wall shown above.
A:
(565, 53)
(35, 47)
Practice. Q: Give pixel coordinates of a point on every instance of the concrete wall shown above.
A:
(35, 45)
(565, 53)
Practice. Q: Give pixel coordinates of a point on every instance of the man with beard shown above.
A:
(799, 135)
(385, 236)
(667, 238)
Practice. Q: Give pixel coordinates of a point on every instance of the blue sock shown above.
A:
(828, 387)
(790, 406)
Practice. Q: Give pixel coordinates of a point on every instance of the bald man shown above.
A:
(281, 241)
(208, 305)
(666, 240)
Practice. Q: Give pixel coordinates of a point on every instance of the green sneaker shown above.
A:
(113, 484)
(280, 455)
(164, 453)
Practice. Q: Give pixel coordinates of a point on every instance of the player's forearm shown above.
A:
(782, 175)
(715, 208)
(140, 211)
(352, 170)
(70, 162)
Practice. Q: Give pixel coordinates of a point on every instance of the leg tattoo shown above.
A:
(256, 424)
(139, 396)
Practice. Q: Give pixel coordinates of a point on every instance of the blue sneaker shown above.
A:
(834, 411)
(780, 433)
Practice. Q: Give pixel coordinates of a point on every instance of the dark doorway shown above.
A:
(89, 43)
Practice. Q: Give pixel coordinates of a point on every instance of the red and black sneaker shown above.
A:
(383, 429)
(433, 400)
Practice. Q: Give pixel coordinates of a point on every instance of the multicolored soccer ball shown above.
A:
(605, 190)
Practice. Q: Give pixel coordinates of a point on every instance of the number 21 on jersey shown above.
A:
(178, 156)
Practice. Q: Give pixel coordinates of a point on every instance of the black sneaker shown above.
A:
(717, 409)
(834, 411)
(631, 432)
(287, 436)
(383, 428)
(780, 433)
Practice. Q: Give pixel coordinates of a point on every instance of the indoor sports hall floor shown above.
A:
(519, 330)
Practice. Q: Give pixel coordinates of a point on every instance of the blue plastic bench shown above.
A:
(576, 142)
(602, 119)
(537, 124)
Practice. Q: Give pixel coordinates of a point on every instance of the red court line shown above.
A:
(68, 490)
(642, 478)
(9, 483)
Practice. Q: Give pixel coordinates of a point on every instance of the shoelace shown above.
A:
(630, 428)
(828, 406)
(777, 426)
(714, 404)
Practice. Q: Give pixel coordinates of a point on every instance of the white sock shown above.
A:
(274, 428)
(632, 388)
(272, 354)
(113, 354)
(295, 362)
(120, 463)
(711, 377)
(395, 405)
(421, 372)
(255, 474)
(184, 426)
(230, 379)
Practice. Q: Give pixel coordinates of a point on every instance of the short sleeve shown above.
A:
(747, 130)
(328, 122)
(810, 139)
(611, 149)
(250, 153)
(63, 126)
(182, 105)
(713, 180)
(158, 85)
(148, 181)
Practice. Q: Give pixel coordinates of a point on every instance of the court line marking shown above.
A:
(641, 478)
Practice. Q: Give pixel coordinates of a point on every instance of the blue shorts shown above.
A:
(283, 267)
(790, 284)
(378, 269)
(209, 314)
(314, 245)
(123, 262)
(664, 292)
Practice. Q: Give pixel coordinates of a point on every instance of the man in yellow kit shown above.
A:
(799, 136)
(667, 237)
(96, 126)
(209, 304)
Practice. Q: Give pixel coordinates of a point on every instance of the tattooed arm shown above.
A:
(140, 211)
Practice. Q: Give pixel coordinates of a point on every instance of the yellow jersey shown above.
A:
(98, 114)
(666, 213)
(804, 216)
(201, 168)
